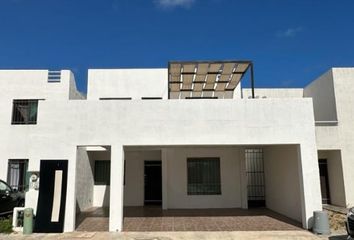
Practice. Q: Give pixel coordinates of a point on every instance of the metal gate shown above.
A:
(255, 177)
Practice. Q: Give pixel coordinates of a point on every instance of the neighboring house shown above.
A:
(184, 137)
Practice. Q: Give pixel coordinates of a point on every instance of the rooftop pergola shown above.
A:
(206, 79)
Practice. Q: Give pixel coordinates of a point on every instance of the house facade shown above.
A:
(183, 137)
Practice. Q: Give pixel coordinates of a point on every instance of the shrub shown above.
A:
(5, 225)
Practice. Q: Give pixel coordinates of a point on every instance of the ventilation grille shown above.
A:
(54, 76)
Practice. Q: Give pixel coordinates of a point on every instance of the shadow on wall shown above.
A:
(78, 209)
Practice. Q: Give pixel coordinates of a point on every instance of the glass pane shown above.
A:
(102, 172)
(24, 111)
(33, 106)
(3, 187)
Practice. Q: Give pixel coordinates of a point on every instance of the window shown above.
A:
(255, 177)
(4, 188)
(17, 175)
(203, 176)
(102, 172)
(24, 112)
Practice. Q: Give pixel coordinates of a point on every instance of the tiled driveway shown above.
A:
(155, 219)
(93, 220)
(150, 219)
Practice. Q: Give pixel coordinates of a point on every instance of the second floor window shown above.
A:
(24, 111)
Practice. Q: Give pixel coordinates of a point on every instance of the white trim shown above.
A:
(57, 195)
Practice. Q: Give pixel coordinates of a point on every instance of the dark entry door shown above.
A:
(324, 181)
(52, 196)
(152, 182)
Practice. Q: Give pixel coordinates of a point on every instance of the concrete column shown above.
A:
(116, 193)
(70, 205)
(243, 178)
(164, 162)
(309, 183)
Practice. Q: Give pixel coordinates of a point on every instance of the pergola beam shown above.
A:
(207, 76)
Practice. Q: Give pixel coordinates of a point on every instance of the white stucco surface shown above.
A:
(171, 124)
(134, 175)
(323, 96)
(335, 176)
(122, 83)
(282, 181)
(177, 196)
(62, 125)
(101, 195)
(84, 181)
(344, 88)
(273, 92)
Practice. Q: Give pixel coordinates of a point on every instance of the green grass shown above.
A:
(5, 225)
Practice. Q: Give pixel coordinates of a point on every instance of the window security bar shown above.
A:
(24, 111)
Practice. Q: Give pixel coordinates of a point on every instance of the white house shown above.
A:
(186, 137)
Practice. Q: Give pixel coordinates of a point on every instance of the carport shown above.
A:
(267, 175)
(229, 219)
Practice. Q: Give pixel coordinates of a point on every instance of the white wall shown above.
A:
(177, 196)
(84, 181)
(134, 83)
(328, 137)
(322, 93)
(335, 176)
(134, 175)
(344, 88)
(63, 125)
(25, 84)
(101, 193)
(282, 181)
(161, 122)
(273, 92)
(33, 84)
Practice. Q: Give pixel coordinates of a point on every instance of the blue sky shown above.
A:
(291, 42)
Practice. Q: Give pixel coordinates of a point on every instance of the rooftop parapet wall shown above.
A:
(127, 83)
(273, 92)
(37, 84)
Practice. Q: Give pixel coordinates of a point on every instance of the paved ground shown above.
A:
(266, 235)
(185, 225)
(152, 219)
(93, 220)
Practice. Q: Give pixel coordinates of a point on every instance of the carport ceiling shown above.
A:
(205, 78)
